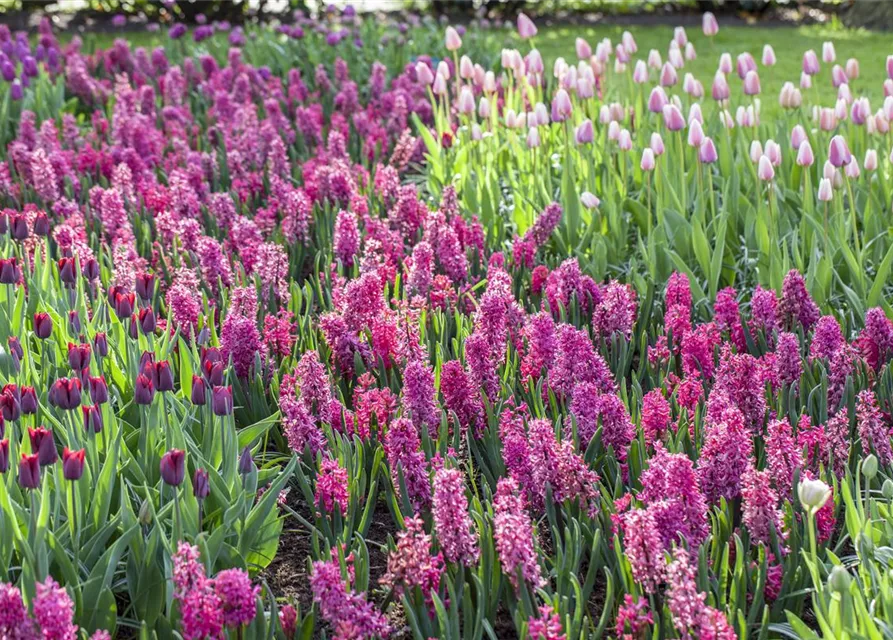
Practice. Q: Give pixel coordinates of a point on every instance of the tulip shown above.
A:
(466, 68)
(65, 393)
(173, 467)
(542, 114)
(92, 418)
(4, 455)
(695, 134)
(43, 443)
(838, 76)
(756, 151)
(640, 73)
(852, 169)
(679, 36)
(18, 227)
(690, 53)
(99, 391)
(625, 140)
(73, 463)
(489, 82)
(533, 138)
(453, 41)
(657, 100)
(561, 106)
(647, 162)
(79, 356)
(246, 462)
(725, 63)
(871, 162)
(629, 43)
(720, 90)
(465, 104)
(890, 67)
(675, 59)
(439, 88)
(29, 471)
(622, 54)
(654, 59)
(589, 200)
(201, 487)
(526, 28)
(222, 400)
(709, 24)
(657, 144)
(813, 494)
(15, 347)
(828, 53)
(41, 224)
(9, 271)
(124, 303)
(43, 325)
(833, 174)
(881, 123)
(143, 390)
(199, 391)
(768, 56)
(827, 119)
(805, 81)
(484, 108)
(752, 83)
(852, 68)
(74, 321)
(145, 285)
(805, 157)
(584, 133)
(826, 192)
(164, 377)
(29, 401)
(10, 403)
(673, 117)
(765, 170)
(90, 269)
(707, 152)
(423, 73)
(746, 64)
(840, 110)
(839, 153)
(810, 63)
(101, 345)
(861, 111)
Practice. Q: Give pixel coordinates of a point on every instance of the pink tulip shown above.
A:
(619, 67)
(727, 120)
(838, 75)
(647, 162)
(844, 93)
(725, 63)
(746, 64)
(768, 56)
(668, 75)
(798, 136)
(489, 82)
(640, 73)
(603, 51)
(584, 133)
(838, 152)
(654, 59)
(752, 83)
(827, 119)
(852, 68)
(826, 193)
(690, 53)
(805, 157)
(881, 123)
(423, 74)
(613, 131)
(888, 88)
(657, 144)
(828, 53)
(871, 162)
(695, 134)
(622, 54)
(890, 67)
(694, 113)
(840, 110)
(533, 138)
(479, 76)
(765, 170)
(476, 132)
(534, 61)
(805, 81)
(465, 104)
(810, 63)
(861, 111)
(589, 200)
(657, 100)
(453, 41)
(679, 36)
(852, 169)
(466, 68)
(440, 86)
(511, 119)
(831, 173)
(629, 43)
(585, 90)
(709, 24)
(720, 90)
(584, 51)
(542, 114)
(483, 108)
(674, 57)
(526, 28)
(561, 106)
(625, 140)
(443, 69)
(756, 151)
(673, 117)
(773, 152)
(888, 107)
(707, 152)
(604, 114)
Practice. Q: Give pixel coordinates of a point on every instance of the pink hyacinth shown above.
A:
(678, 291)
(545, 627)
(725, 454)
(760, 510)
(460, 397)
(788, 363)
(783, 456)
(54, 611)
(237, 597)
(826, 339)
(873, 433)
(764, 310)
(875, 342)
(643, 547)
(346, 238)
(616, 311)
(634, 619)
(342, 607)
(541, 344)
(454, 527)
(656, 415)
(411, 564)
(685, 602)
(332, 487)
(406, 460)
(420, 397)
(514, 536)
(669, 483)
(796, 305)
(577, 361)
(14, 621)
(240, 340)
(200, 607)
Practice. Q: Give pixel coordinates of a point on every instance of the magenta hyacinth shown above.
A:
(332, 486)
(342, 607)
(671, 486)
(760, 510)
(644, 548)
(237, 597)
(514, 535)
(873, 433)
(796, 305)
(452, 523)
(545, 627)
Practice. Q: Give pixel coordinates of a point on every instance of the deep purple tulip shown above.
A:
(201, 487)
(43, 325)
(246, 462)
(101, 345)
(99, 390)
(222, 400)
(43, 443)
(15, 347)
(143, 390)
(68, 271)
(29, 400)
(199, 391)
(73, 463)
(92, 418)
(29, 472)
(145, 286)
(10, 403)
(4, 455)
(90, 269)
(124, 303)
(18, 227)
(41, 224)
(65, 393)
(173, 467)
(164, 376)
(74, 321)
(79, 356)
(9, 271)
(147, 322)
(214, 373)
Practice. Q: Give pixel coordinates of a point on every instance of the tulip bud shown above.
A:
(810, 63)
(647, 162)
(453, 41)
(43, 443)
(79, 356)
(657, 144)
(695, 134)
(709, 24)
(707, 152)
(869, 466)
(752, 83)
(145, 286)
(41, 224)
(839, 580)
(43, 325)
(765, 170)
(101, 345)
(657, 100)
(589, 200)
(29, 400)
(629, 43)
(871, 161)
(584, 133)
(99, 391)
(423, 73)
(29, 471)
(805, 157)
(465, 103)
(640, 73)
(533, 138)
(124, 303)
(143, 390)
(668, 76)
(173, 467)
(4, 455)
(673, 117)
(745, 64)
(145, 513)
(73, 464)
(15, 347)
(654, 59)
(852, 169)
(773, 152)
(10, 403)
(9, 271)
(828, 53)
(18, 227)
(561, 106)
(839, 153)
(246, 462)
(92, 418)
(813, 494)
(768, 56)
(201, 487)
(725, 63)
(798, 136)
(65, 393)
(222, 400)
(584, 51)
(90, 269)
(720, 90)
(67, 271)
(887, 489)
(756, 151)
(526, 28)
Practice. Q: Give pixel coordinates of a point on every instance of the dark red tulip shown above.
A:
(246, 462)
(43, 443)
(213, 373)
(124, 303)
(201, 487)
(92, 418)
(18, 226)
(164, 376)
(10, 403)
(29, 400)
(79, 356)
(143, 390)
(133, 327)
(147, 321)
(43, 325)
(90, 269)
(73, 463)
(99, 390)
(15, 347)
(9, 271)
(74, 321)
(145, 286)
(65, 393)
(4, 455)
(222, 400)
(199, 391)
(29, 471)
(67, 271)
(173, 467)
(101, 345)
(41, 224)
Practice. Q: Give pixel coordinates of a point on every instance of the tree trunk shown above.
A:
(873, 14)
